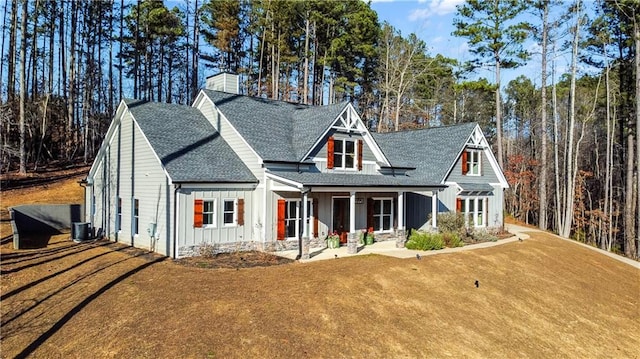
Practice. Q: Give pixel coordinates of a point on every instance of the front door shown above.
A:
(341, 218)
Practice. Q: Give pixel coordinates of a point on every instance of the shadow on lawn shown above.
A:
(4, 296)
(73, 311)
(82, 247)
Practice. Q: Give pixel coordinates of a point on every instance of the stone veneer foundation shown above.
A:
(275, 246)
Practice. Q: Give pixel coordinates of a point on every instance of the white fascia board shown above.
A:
(492, 160)
(285, 181)
(220, 185)
(115, 123)
(223, 117)
(373, 189)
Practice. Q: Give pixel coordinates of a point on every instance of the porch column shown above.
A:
(352, 239)
(400, 232)
(304, 248)
(400, 211)
(434, 209)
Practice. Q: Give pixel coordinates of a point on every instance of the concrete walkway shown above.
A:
(388, 248)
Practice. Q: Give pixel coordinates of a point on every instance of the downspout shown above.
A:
(175, 219)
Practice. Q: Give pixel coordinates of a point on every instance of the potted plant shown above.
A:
(370, 237)
(333, 240)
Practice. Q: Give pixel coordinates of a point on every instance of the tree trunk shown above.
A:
(305, 81)
(4, 27)
(72, 80)
(23, 89)
(636, 28)
(542, 224)
(570, 172)
(498, 114)
(11, 74)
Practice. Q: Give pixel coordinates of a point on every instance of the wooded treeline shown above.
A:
(565, 136)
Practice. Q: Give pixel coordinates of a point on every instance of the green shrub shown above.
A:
(425, 241)
(480, 235)
(452, 239)
(451, 222)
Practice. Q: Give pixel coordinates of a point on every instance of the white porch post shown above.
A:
(305, 214)
(352, 212)
(434, 209)
(400, 211)
(352, 241)
(304, 243)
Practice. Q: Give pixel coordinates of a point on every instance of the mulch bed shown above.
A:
(234, 260)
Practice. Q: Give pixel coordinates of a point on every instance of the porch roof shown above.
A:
(317, 179)
(475, 188)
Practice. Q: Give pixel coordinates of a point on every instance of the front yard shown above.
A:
(543, 297)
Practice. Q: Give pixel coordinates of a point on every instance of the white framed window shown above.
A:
(345, 154)
(209, 213)
(382, 214)
(475, 210)
(293, 214)
(229, 212)
(474, 161)
(136, 216)
(119, 215)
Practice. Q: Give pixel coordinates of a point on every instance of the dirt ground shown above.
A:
(539, 298)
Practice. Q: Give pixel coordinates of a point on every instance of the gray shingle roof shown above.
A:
(276, 130)
(187, 144)
(432, 151)
(352, 179)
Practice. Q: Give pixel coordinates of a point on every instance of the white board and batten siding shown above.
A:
(190, 235)
(145, 181)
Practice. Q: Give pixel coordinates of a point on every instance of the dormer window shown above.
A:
(344, 154)
(471, 163)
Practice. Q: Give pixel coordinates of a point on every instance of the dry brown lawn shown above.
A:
(540, 298)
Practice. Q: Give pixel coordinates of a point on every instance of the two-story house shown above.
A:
(241, 173)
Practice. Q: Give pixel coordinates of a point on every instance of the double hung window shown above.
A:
(382, 214)
(344, 153)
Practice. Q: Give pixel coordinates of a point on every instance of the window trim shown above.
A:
(235, 212)
(343, 154)
(471, 155)
(119, 215)
(135, 217)
(471, 218)
(214, 216)
(382, 215)
(298, 216)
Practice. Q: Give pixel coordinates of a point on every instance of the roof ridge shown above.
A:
(426, 128)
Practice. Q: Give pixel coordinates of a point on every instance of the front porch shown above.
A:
(343, 211)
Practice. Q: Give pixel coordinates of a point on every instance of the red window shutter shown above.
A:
(465, 158)
(281, 208)
(330, 152)
(241, 211)
(315, 220)
(458, 204)
(370, 222)
(197, 213)
(359, 155)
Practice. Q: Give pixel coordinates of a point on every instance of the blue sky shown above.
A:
(432, 21)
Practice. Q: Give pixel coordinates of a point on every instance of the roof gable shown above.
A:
(432, 151)
(276, 130)
(186, 144)
(348, 121)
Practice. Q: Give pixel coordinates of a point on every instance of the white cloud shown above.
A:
(435, 8)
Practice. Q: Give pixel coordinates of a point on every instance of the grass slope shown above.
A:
(543, 297)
